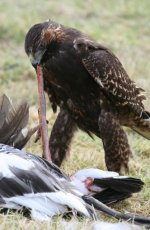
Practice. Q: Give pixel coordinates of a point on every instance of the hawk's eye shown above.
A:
(41, 46)
(79, 45)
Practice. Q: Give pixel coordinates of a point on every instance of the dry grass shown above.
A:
(124, 26)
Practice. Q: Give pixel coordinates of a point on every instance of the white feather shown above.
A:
(78, 179)
(10, 205)
(38, 202)
(12, 160)
(80, 185)
(94, 173)
(72, 201)
(49, 204)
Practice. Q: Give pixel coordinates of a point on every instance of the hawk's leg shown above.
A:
(61, 136)
(116, 147)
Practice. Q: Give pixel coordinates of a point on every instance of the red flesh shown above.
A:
(42, 115)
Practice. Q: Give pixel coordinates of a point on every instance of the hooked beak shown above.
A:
(36, 59)
(35, 65)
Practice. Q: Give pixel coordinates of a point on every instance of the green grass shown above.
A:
(122, 25)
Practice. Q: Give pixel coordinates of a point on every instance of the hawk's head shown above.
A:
(42, 38)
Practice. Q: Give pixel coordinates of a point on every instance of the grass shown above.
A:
(124, 26)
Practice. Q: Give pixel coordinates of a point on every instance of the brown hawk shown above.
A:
(92, 89)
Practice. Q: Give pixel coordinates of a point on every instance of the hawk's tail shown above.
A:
(111, 212)
(13, 122)
(142, 125)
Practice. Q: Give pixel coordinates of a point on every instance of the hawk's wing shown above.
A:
(109, 73)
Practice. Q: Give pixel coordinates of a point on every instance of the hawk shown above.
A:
(92, 89)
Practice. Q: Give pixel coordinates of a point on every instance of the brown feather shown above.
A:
(52, 34)
(117, 150)
(85, 79)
